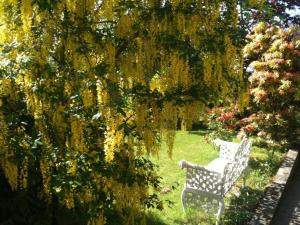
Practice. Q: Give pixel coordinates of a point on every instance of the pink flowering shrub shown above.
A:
(273, 113)
(274, 84)
(222, 122)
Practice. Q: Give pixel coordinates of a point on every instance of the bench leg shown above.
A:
(245, 176)
(220, 211)
(183, 199)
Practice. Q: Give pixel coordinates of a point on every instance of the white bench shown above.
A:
(206, 186)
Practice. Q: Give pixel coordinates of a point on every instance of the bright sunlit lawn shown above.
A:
(240, 201)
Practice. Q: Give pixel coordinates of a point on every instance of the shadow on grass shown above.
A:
(239, 210)
(154, 220)
(241, 207)
(198, 132)
(192, 217)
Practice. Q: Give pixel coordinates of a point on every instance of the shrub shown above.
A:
(222, 122)
(274, 82)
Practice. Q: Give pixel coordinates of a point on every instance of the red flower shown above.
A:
(225, 116)
(248, 129)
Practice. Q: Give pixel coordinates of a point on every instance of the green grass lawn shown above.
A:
(240, 201)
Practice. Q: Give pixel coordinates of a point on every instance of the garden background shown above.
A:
(93, 93)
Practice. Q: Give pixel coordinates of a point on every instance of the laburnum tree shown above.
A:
(274, 54)
(88, 88)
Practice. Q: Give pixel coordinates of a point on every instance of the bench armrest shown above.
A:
(183, 164)
(202, 179)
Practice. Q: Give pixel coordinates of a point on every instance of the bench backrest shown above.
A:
(228, 150)
(238, 164)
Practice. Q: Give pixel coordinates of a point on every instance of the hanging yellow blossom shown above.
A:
(95, 85)
(26, 13)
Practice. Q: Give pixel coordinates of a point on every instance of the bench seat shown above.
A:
(218, 165)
